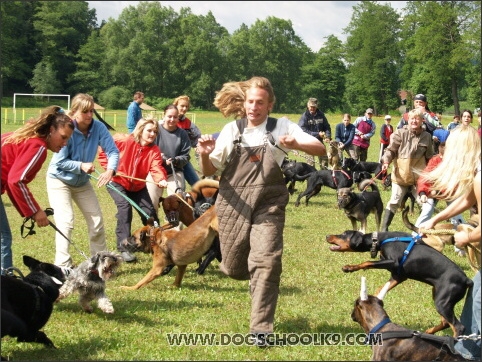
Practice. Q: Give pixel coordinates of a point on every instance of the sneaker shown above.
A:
(128, 257)
(261, 340)
(67, 270)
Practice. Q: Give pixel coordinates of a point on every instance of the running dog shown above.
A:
(27, 303)
(407, 260)
(295, 171)
(358, 206)
(332, 178)
(398, 343)
(88, 279)
(173, 247)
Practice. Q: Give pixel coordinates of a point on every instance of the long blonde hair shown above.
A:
(53, 116)
(454, 176)
(230, 99)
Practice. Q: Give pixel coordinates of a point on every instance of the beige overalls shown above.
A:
(251, 211)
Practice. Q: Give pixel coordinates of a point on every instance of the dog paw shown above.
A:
(348, 268)
(108, 310)
(87, 309)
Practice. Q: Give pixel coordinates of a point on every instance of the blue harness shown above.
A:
(407, 239)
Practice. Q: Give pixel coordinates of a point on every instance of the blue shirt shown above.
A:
(65, 165)
(134, 114)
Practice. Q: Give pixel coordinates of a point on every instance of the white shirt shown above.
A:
(252, 137)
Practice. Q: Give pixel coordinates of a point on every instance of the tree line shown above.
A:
(430, 47)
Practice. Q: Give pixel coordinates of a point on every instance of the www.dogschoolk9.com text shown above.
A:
(274, 339)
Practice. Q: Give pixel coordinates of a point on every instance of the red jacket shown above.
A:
(422, 184)
(185, 123)
(20, 164)
(135, 161)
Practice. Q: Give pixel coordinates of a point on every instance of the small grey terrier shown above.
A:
(89, 280)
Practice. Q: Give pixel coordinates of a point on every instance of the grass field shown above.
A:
(316, 296)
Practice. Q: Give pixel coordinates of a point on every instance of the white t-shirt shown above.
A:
(254, 136)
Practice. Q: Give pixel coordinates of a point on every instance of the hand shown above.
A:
(40, 217)
(104, 178)
(341, 145)
(162, 184)
(461, 239)
(384, 166)
(423, 198)
(288, 141)
(87, 167)
(426, 225)
(205, 144)
(322, 134)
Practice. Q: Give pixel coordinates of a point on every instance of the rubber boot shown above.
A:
(387, 220)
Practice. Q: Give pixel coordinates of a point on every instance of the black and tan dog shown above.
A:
(358, 206)
(173, 247)
(27, 303)
(398, 343)
(449, 282)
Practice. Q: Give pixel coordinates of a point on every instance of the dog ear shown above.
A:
(95, 259)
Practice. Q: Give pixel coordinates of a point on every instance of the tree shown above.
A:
(45, 79)
(19, 54)
(324, 77)
(373, 58)
(435, 39)
(63, 27)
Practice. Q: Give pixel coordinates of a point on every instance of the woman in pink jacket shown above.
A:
(23, 154)
(138, 156)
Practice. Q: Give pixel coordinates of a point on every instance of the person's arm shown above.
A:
(309, 145)
(382, 133)
(351, 136)
(372, 130)
(205, 146)
(327, 127)
(392, 150)
(463, 238)
(106, 142)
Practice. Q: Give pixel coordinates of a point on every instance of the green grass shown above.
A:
(316, 296)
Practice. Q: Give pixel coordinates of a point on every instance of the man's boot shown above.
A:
(387, 220)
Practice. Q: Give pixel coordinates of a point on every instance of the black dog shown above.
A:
(358, 206)
(421, 263)
(332, 178)
(295, 171)
(28, 303)
(353, 165)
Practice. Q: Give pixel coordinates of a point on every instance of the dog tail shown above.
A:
(406, 221)
(362, 186)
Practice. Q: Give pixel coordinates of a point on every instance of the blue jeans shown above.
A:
(6, 239)
(470, 318)
(190, 174)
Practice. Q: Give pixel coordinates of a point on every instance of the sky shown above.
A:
(312, 20)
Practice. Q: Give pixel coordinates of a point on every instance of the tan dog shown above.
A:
(332, 153)
(174, 247)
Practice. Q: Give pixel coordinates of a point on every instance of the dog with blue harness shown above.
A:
(408, 257)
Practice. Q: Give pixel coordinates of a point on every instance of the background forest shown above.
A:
(431, 47)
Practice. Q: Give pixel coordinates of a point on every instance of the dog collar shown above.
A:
(373, 250)
(380, 325)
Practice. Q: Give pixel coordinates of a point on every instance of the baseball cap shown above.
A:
(369, 110)
(420, 97)
(312, 102)
(388, 116)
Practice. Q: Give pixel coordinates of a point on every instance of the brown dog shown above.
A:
(182, 205)
(332, 153)
(174, 247)
(398, 343)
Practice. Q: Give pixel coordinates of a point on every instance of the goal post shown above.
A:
(36, 95)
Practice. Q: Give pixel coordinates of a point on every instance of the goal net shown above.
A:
(40, 101)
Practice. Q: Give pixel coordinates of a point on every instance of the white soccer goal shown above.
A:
(36, 95)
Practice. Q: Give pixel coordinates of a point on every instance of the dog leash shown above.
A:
(130, 201)
(49, 211)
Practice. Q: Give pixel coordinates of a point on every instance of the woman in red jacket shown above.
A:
(138, 156)
(23, 154)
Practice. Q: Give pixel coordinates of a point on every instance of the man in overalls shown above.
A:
(252, 193)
